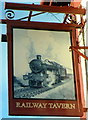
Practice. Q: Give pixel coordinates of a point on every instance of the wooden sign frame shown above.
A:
(40, 106)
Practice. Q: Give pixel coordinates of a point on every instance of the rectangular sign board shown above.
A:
(43, 74)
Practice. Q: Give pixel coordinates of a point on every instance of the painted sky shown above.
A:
(51, 45)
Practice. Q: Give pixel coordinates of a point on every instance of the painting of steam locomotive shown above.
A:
(42, 64)
(40, 73)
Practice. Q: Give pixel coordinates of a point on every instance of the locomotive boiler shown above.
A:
(45, 73)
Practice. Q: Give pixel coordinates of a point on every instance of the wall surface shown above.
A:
(85, 5)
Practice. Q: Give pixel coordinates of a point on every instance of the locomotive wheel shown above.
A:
(35, 84)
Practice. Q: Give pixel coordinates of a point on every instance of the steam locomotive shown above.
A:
(45, 73)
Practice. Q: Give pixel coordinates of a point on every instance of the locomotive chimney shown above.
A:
(38, 57)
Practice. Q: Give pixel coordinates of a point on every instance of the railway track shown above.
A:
(28, 92)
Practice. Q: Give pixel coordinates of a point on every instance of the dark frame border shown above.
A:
(13, 110)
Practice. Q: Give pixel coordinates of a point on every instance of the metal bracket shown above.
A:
(75, 48)
(85, 109)
(9, 14)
